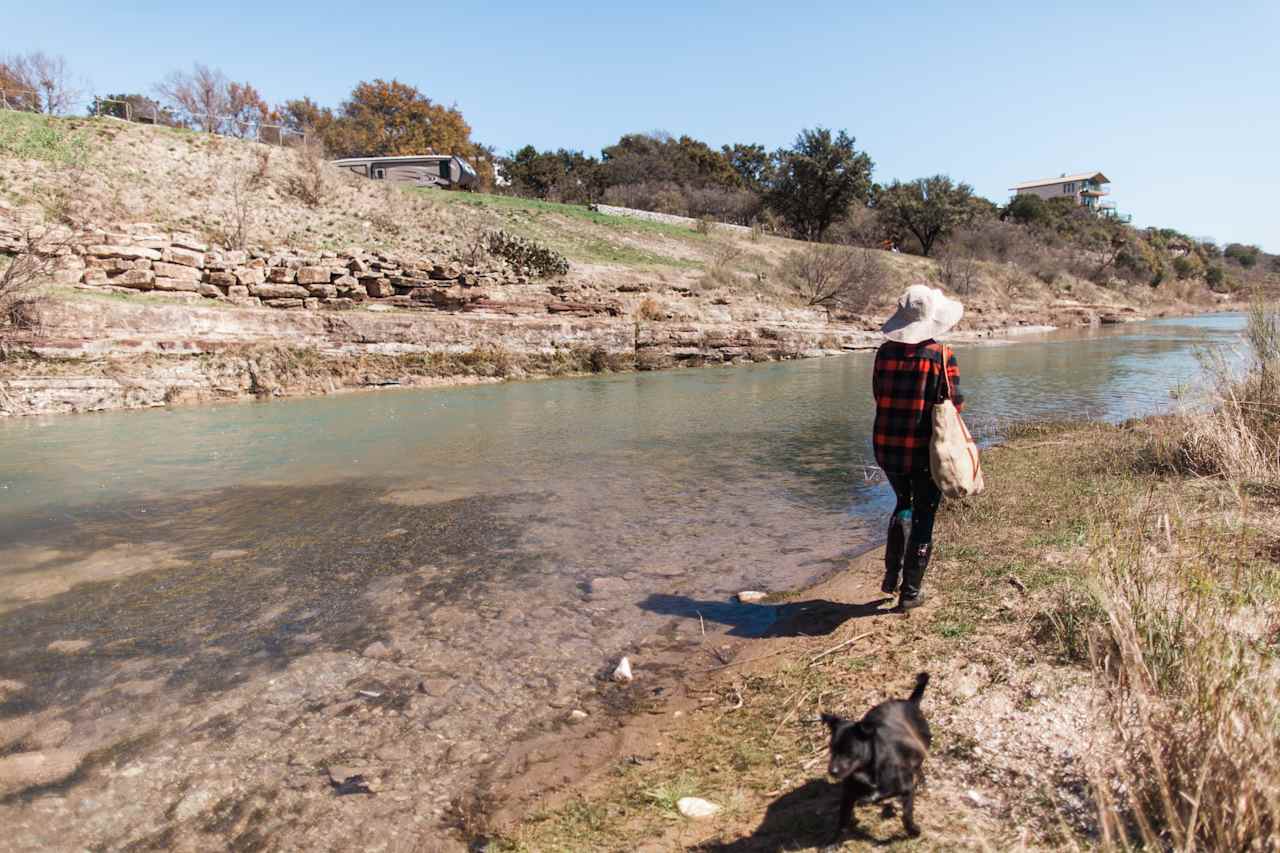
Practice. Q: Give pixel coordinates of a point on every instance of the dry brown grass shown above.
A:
(1188, 646)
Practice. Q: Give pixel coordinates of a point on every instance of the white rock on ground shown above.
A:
(623, 673)
(696, 807)
(30, 769)
(752, 596)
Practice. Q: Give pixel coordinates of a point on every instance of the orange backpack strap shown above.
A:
(946, 377)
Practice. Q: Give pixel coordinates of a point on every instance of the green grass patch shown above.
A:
(28, 136)
(577, 231)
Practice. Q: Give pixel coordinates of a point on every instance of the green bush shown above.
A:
(1216, 278)
(526, 256)
(1185, 266)
(1245, 256)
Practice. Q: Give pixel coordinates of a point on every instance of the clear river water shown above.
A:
(512, 538)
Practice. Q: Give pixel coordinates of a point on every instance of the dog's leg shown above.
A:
(908, 814)
(847, 797)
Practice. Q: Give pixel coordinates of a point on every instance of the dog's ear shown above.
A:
(833, 722)
(863, 729)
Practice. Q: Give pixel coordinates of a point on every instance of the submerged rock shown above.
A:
(608, 586)
(69, 647)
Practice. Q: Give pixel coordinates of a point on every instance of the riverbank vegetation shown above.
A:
(1104, 644)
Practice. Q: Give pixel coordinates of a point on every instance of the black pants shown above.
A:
(918, 499)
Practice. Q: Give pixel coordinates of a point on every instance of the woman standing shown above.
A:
(908, 380)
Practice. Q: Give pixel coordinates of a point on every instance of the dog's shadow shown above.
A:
(802, 819)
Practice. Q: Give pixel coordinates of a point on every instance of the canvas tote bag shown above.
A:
(953, 455)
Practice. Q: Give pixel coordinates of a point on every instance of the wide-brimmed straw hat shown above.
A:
(923, 312)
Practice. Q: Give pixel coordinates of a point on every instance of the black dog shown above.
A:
(879, 756)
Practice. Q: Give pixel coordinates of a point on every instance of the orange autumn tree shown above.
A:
(386, 118)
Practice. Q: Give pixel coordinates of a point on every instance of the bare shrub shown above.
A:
(958, 269)
(262, 161)
(836, 277)
(650, 309)
(475, 249)
(716, 204)
(231, 230)
(45, 76)
(722, 271)
(704, 226)
(202, 94)
(311, 186)
(33, 256)
(739, 207)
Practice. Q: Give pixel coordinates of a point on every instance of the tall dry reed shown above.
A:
(1189, 651)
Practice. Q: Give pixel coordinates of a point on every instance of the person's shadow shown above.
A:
(813, 618)
(802, 819)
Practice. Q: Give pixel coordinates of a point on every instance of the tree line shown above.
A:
(821, 188)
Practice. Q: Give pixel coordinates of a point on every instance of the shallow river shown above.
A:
(510, 539)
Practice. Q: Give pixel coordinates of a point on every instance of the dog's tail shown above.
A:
(922, 681)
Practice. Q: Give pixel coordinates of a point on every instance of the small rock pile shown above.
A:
(143, 258)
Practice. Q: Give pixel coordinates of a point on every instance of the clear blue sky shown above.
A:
(1177, 102)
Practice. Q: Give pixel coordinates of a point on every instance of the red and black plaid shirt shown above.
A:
(906, 383)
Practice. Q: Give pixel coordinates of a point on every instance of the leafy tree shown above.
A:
(304, 118)
(1026, 209)
(928, 208)
(247, 110)
(751, 162)
(562, 175)
(386, 118)
(818, 180)
(1245, 256)
(1216, 278)
(659, 157)
(304, 115)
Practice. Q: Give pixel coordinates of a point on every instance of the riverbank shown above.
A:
(189, 269)
(90, 352)
(1023, 728)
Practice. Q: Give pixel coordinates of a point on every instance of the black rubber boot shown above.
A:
(894, 548)
(913, 568)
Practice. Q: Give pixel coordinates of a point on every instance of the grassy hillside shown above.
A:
(98, 172)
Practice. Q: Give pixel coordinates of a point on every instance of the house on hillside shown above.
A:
(1086, 188)
(440, 170)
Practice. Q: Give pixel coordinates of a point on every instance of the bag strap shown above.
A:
(946, 378)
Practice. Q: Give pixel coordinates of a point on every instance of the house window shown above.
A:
(1069, 188)
(379, 173)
